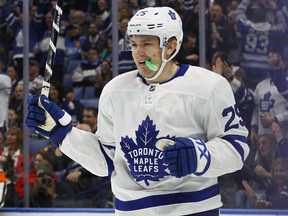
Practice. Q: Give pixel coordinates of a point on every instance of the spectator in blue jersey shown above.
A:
(16, 25)
(277, 193)
(165, 132)
(42, 46)
(259, 38)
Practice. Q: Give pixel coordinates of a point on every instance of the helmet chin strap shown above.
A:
(159, 72)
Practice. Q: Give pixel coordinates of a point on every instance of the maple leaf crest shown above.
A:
(267, 103)
(172, 15)
(144, 159)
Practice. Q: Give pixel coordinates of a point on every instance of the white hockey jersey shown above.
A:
(269, 101)
(133, 115)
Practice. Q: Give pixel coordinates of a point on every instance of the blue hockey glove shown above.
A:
(179, 154)
(50, 121)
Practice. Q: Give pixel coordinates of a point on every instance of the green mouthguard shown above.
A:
(151, 66)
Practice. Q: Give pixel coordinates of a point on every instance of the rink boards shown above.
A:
(110, 212)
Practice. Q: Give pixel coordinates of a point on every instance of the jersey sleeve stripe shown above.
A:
(235, 141)
(108, 160)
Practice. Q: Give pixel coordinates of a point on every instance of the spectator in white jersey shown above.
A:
(270, 98)
(165, 132)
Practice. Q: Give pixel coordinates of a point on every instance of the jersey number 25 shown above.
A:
(233, 113)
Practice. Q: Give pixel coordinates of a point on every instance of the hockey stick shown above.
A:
(49, 123)
(52, 48)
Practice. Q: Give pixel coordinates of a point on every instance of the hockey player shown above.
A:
(165, 131)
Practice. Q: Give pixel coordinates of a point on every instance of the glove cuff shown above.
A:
(203, 156)
(58, 134)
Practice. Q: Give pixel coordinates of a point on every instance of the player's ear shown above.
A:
(172, 44)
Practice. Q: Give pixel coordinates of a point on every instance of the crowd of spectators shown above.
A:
(246, 42)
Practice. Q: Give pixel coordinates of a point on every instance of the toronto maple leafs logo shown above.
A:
(266, 104)
(172, 15)
(144, 159)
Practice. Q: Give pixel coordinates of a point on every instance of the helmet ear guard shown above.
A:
(163, 22)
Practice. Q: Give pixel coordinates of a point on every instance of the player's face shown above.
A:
(146, 47)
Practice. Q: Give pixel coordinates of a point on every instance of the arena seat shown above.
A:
(36, 145)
